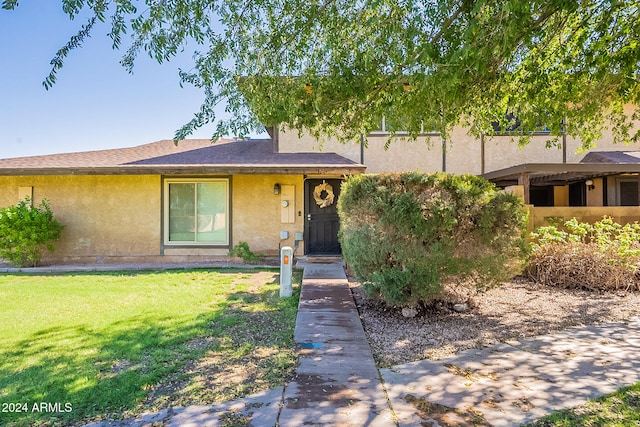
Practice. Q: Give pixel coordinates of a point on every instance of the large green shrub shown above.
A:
(25, 231)
(573, 254)
(414, 238)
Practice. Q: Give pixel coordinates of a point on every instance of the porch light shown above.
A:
(276, 189)
(589, 184)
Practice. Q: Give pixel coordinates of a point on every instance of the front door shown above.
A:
(578, 194)
(322, 223)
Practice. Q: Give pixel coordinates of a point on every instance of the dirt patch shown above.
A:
(249, 349)
(516, 310)
(258, 279)
(232, 367)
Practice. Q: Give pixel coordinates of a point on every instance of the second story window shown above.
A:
(390, 125)
(515, 127)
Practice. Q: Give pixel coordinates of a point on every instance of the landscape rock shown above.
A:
(461, 307)
(409, 312)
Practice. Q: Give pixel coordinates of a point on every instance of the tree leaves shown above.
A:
(9, 4)
(567, 66)
(73, 43)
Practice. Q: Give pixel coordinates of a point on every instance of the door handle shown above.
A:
(308, 217)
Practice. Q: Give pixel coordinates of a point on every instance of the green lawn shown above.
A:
(99, 345)
(619, 409)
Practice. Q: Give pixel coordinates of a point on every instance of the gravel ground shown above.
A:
(517, 309)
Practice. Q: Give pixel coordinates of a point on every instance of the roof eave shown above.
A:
(189, 170)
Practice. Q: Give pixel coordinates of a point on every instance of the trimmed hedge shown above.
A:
(414, 238)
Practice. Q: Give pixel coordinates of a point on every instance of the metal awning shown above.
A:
(540, 174)
(545, 174)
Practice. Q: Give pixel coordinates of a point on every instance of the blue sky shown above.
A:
(95, 103)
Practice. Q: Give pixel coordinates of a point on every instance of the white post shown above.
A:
(286, 270)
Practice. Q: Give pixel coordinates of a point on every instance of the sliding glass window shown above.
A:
(197, 212)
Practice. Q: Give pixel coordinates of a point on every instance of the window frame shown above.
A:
(166, 212)
(514, 129)
(383, 129)
(401, 132)
(625, 179)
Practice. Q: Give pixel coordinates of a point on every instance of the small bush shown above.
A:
(414, 238)
(242, 250)
(578, 255)
(25, 231)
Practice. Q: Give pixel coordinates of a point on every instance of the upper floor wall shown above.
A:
(461, 153)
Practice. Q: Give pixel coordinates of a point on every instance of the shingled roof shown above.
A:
(614, 157)
(195, 156)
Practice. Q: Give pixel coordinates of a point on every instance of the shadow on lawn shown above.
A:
(92, 371)
(100, 372)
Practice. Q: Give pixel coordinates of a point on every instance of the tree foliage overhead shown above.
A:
(337, 66)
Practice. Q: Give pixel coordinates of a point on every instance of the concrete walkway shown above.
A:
(518, 381)
(337, 383)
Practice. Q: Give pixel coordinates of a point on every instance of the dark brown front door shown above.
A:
(322, 223)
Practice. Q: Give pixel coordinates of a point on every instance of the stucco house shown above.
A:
(188, 202)
(196, 200)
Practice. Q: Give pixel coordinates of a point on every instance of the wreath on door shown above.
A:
(327, 200)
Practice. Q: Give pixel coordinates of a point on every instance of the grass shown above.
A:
(619, 409)
(107, 345)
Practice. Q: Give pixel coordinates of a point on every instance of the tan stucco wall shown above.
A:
(503, 151)
(560, 195)
(118, 218)
(464, 153)
(595, 195)
(539, 216)
(256, 212)
(291, 142)
(104, 216)
(422, 155)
